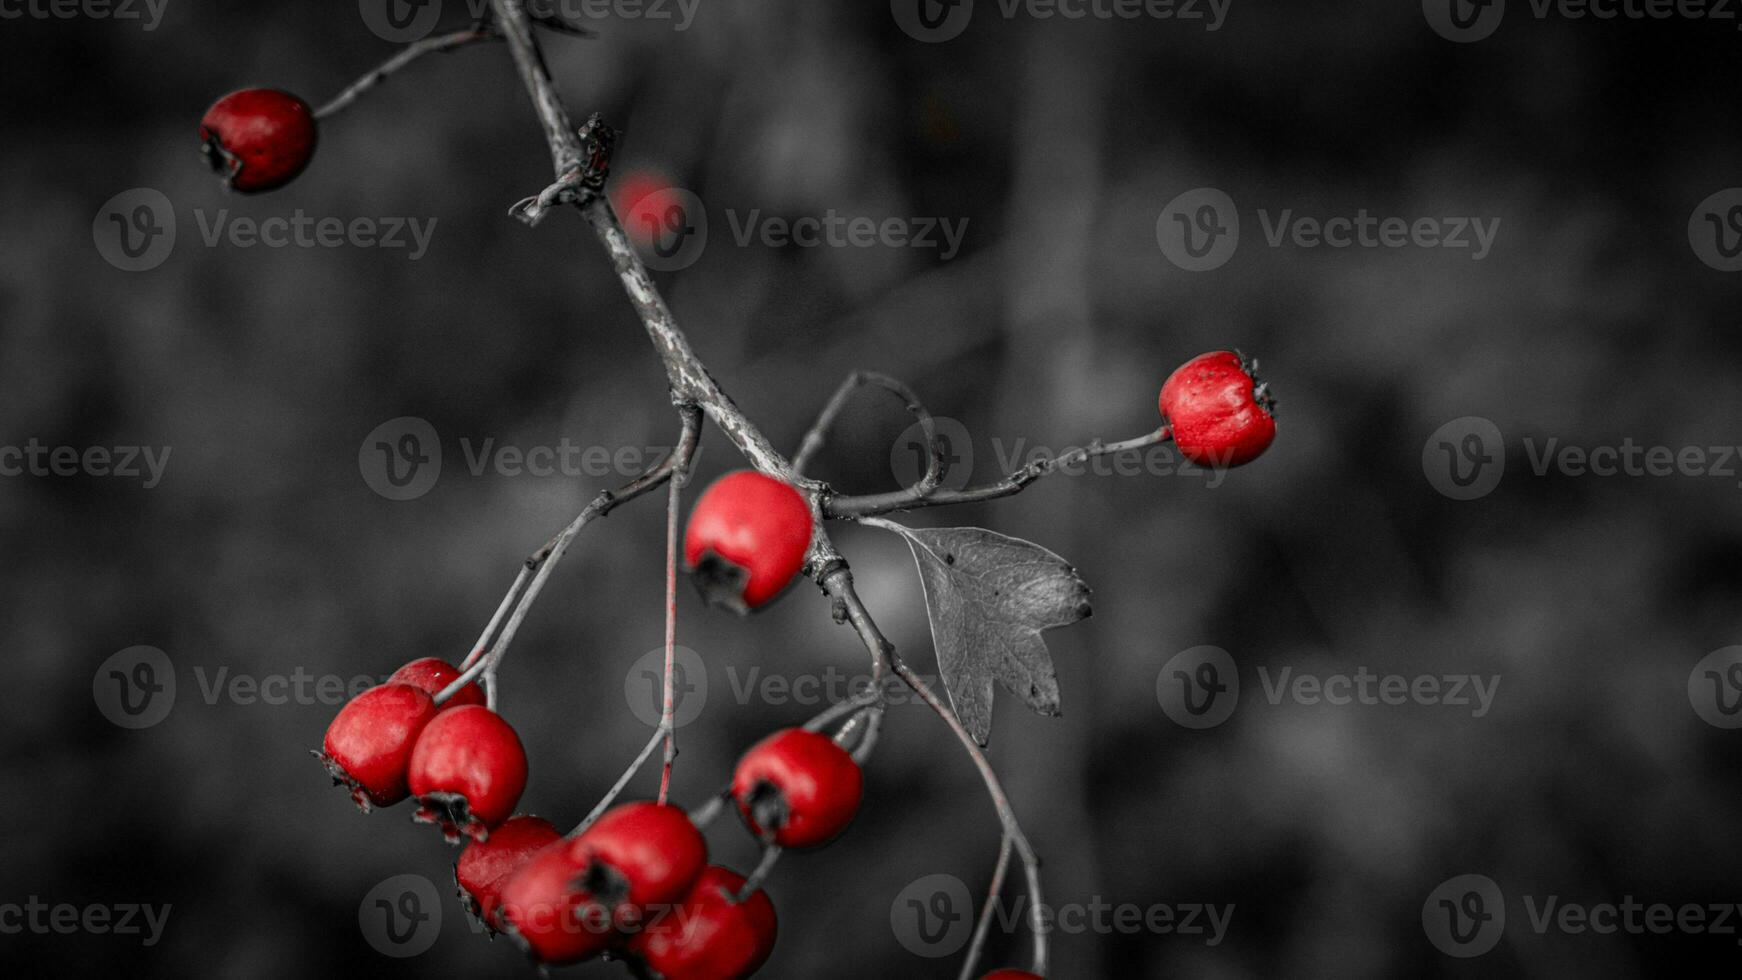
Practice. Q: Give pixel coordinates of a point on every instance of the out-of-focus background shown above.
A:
(266, 561)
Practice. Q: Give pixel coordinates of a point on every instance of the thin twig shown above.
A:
(667, 716)
(616, 789)
(984, 926)
(770, 854)
(842, 506)
(406, 55)
(813, 440)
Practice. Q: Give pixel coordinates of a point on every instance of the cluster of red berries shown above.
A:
(258, 139)
(636, 883)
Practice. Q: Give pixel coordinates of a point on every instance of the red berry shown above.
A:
(434, 676)
(1011, 975)
(467, 772)
(546, 908)
(369, 745)
(797, 787)
(1220, 413)
(747, 538)
(710, 936)
(485, 866)
(640, 855)
(259, 138)
(644, 199)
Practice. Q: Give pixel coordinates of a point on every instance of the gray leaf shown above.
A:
(989, 598)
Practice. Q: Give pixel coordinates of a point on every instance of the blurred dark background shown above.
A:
(264, 552)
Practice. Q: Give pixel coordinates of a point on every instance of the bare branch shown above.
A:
(984, 926)
(841, 506)
(407, 55)
(813, 440)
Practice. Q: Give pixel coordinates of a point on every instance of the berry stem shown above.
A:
(984, 926)
(843, 506)
(544, 561)
(667, 715)
(770, 855)
(616, 789)
(407, 55)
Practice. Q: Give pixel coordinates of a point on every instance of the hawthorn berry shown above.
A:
(639, 855)
(467, 772)
(747, 538)
(258, 139)
(546, 908)
(485, 866)
(1221, 414)
(368, 746)
(797, 788)
(434, 675)
(711, 935)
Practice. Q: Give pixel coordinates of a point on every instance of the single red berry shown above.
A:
(1011, 975)
(645, 199)
(546, 908)
(258, 139)
(485, 866)
(467, 772)
(747, 538)
(434, 675)
(710, 935)
(369, 744)
(1221, 414)
(639, 855)
(798, 788)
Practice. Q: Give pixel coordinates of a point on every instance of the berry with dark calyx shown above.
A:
(368, 746)
(711, 935)
(258, 139)
(485, 866)
(1221, 414)
(797, 788)
(747, 538)
(434, 675)
(467, 771)
(546, 908)
(639, 855)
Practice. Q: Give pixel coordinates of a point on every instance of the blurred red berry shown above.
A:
(368, 746)
(1221, 414)
(258, 139)
(798, 787)
(644, 200)
(467, 772)
(747, 538)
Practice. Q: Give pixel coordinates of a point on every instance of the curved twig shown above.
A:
(813, 439)
(406, 55)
